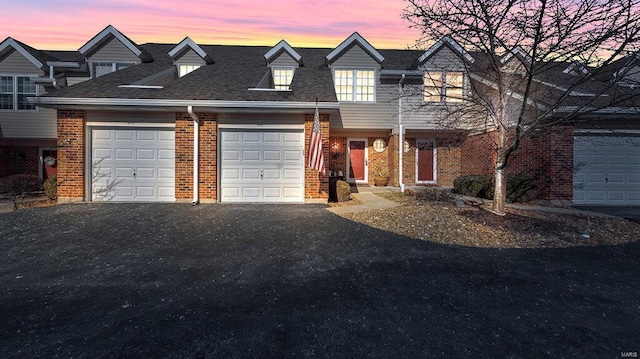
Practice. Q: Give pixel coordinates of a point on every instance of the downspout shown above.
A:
(196, 154)
(52, 76)
(400, 139)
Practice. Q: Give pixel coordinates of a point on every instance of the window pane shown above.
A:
(432, 86)
(26, 88)
(455, 87)
(343, 82)
(365, 85)
(186, 69)
(102, 68)
(6, 92)
(282, 77)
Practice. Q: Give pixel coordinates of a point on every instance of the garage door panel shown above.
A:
(606, 170)
(270, 164)
(132, 164)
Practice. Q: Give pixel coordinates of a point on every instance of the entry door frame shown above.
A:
(366, 160)
(432, 141)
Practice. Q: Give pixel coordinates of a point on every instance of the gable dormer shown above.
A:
(576, 69)
(110, 51)
(18, 57)
(355, 51)
(282, 54)
(282, 62)
(445, 66)
(516, 61)
(446, 53)
(188, 57)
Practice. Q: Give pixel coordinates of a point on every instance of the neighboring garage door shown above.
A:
(133, 164)
(606, 170)
(262, 165)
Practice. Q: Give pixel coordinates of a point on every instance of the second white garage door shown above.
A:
(606, 170)
(133, 164)
(262, 165)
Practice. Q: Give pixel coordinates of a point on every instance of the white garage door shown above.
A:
(262, 165)
(606, 170)
(133, 164)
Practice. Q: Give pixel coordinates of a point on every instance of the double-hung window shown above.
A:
(282, 77)
(443, 86)
(184, 69)
(103, 68)
(14, 91)
(355, 85)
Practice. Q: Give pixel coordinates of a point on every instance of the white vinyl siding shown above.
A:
(113, 51)
(358, 85)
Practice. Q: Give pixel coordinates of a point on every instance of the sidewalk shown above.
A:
(6, 205)
(369, 202)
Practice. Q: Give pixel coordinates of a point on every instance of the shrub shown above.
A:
(343, 191)
(519, 188)
(434, 194)
(473, 186)
(18, 185)
(51, 187)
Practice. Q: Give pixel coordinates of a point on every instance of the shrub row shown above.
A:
(519, 188)
(18, 185)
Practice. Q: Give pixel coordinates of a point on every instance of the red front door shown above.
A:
(424, 161)
(357, 160)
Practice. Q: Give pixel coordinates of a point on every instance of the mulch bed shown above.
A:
(475, 226)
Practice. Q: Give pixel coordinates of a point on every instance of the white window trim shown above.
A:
(443, 89)
(113, 65)
(354, 70)
(15, 92)
(293, 73)
(180, 64)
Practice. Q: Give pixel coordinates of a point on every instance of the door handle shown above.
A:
(134, 173)
(261, 174)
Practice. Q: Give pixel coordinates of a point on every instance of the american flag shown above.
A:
(316, 157)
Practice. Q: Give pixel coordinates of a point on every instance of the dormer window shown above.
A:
(282, 77)
(357, 85)
(443, 86)
(103, 68)
(184, 69)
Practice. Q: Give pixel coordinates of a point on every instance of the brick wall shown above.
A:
(547, 157)
(70, 132)
(19, 160)
(316, 185)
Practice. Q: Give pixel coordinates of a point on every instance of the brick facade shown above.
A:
(71, 142)
(546, 157)
(316, 185)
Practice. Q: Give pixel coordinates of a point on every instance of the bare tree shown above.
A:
(546, 36)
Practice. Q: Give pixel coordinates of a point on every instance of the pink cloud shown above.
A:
(69, 24)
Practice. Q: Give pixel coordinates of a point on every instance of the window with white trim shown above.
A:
(14, 91)
(443, 86)
(184, 69)
(355, 85)
(103, 68)
(282, 77)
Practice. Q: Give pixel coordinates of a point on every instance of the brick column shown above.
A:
(71, 148)
(316, 185)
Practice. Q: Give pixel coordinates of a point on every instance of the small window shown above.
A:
(355, 85)
(186, 69)
(6, 92)
(282, 77)
(103, 68)
(15, 91)
(443, 86)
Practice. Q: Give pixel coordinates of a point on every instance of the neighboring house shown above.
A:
(155, 119)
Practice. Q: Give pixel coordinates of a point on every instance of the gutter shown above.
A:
(400, 139)
(196, 154)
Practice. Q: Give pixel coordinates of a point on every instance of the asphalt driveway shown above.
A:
(295, 281)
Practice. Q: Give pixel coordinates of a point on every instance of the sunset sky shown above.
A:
(68, 24)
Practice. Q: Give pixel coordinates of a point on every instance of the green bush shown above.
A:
(51, 187)
(519, 188)
(18, 185)
(473, 186)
